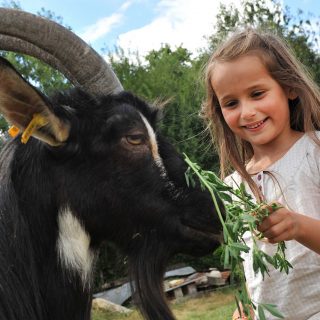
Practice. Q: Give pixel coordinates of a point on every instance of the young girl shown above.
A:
(263, 110)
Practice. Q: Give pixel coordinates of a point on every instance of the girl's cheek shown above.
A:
(230, 117)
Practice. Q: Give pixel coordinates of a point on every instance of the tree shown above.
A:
(297, 29)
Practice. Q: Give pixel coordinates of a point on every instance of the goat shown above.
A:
(87, 166)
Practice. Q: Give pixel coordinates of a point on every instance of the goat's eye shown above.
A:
(135, 139)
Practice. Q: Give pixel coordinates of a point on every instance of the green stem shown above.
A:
(191, 165)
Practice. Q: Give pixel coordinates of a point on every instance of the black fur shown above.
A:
(117, 192)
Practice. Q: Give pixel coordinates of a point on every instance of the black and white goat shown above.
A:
(91, 168)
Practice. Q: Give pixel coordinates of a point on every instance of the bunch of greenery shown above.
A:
(242, 215)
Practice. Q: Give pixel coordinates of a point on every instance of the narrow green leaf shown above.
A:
(237, 304)
(270, 260)
(261, 314)
(226, 257)
(187, 179)
(272, 308)
(225, 197)
(240, 246)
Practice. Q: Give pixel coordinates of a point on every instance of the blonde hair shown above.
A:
(283, 67)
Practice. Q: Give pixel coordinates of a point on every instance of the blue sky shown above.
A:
(144, 24)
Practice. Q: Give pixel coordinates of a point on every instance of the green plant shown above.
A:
(242, 215)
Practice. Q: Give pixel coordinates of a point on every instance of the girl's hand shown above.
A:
(280, 225)
(236, 316)
(283, 225)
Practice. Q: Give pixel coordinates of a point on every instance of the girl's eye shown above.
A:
(257, 94)
(135, 139)
(230, 104)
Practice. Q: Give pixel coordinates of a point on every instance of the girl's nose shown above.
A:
(248, 111)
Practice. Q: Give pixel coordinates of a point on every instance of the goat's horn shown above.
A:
(52, 43)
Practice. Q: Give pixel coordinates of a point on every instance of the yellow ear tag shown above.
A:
(13, 131)
(37, 122)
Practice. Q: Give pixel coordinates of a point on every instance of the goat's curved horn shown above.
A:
(54, 44)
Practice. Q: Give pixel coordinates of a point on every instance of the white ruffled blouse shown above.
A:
(295, 182)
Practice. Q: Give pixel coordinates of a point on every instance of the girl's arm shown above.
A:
(283, 225)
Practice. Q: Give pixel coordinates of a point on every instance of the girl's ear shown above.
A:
(291, 94)
(25, 108)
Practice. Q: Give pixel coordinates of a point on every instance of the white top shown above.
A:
(297, 186)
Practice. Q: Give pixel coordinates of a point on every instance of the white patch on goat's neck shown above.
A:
(73, 246)
(154, 146)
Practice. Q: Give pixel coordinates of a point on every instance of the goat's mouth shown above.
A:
(197, 233)
(199, 241)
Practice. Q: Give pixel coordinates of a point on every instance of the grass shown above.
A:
(217, 305)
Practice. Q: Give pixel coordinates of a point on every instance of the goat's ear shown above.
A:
(24, 107)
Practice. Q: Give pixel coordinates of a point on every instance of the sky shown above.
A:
(143, 25)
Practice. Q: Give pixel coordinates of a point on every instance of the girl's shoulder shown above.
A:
(312, 148)
(307, 146)
(312, 142)
(317, 135)
(303, 159)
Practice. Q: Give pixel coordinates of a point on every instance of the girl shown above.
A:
(263, 110)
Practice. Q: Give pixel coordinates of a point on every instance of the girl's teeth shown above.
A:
(256, 125)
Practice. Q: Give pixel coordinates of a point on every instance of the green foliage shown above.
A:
(297, 29)
(11, 4)
(242, 215)
(259, 14)
(38, 73)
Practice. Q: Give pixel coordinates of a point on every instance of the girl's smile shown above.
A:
(256, 126)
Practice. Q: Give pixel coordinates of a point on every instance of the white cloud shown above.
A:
(102, 27)
(179, 22)
(126, 5)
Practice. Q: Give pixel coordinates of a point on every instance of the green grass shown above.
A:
(217, 305)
